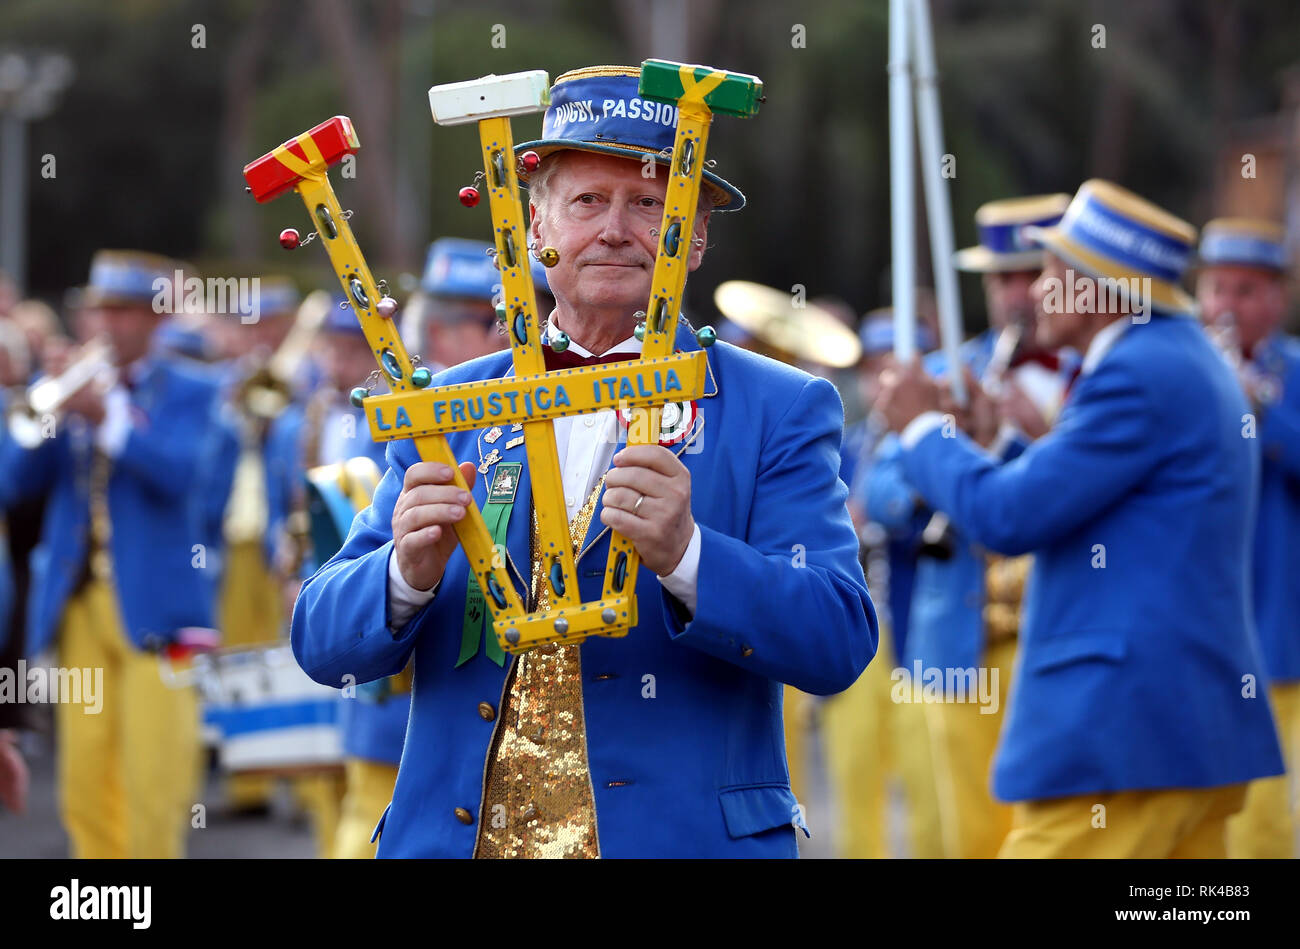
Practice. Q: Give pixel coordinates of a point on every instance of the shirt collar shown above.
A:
(629, 345)
(1101, 344)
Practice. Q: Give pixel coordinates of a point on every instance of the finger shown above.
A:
(633, 528)
(418, 518)
(655, 457)
(469, 471)
(642, 480)
(435, 494)
(626, 499)
(426, 472)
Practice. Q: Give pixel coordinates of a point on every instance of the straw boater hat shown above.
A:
(1003, 246)
(1245, 242)
(597, 109)
(1109, 232)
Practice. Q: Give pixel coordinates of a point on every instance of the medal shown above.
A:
(493, 435)
(492, 458)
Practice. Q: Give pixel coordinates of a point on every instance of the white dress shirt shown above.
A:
(586, 444)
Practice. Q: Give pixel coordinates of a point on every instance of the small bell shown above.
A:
(530, 161)
(706, 336)
(469, 196)
(289, 238)
(549, 256)
(421, 377)
(502, 313)
(639, 332)
(386, 306)
(358, 395)
(559, 341)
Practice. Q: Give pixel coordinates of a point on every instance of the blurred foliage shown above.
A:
(146, 137)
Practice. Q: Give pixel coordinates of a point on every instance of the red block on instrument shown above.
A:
(269, 176)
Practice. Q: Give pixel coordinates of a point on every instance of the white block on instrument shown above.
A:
(492, 97)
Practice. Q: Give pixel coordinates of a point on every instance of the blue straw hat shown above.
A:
(1111, 233)
(1246, 242)
(597, 109)
(1003, 245)
(127, 278)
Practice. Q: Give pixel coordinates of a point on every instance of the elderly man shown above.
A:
(1241, 286)
(1133, 709)
(666, 742)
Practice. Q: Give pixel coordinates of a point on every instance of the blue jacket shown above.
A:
(699, 770)
(1277, 529)
(1137, 631)
(163, 573)
(374, 722)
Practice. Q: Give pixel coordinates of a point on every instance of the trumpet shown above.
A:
(44, 398)
(268, 389)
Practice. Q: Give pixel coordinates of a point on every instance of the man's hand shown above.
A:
(648, 501)
(906, 392)
(1016, 407)
(13, 773)
(424, 518)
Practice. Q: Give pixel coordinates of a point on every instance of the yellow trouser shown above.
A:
(250, 615)
(869, 739)
(370, 788)
(797, 712)
(321, 796)
(128, 775)
(1180, 824)
(963, 739)
(1266, 826)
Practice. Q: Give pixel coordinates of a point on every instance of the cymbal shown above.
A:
(808, 332)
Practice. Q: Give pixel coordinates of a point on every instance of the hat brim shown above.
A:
(94, 296)
(1165, 296)
(726, 196)
(980, 259)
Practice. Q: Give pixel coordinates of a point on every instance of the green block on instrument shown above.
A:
(738, 94)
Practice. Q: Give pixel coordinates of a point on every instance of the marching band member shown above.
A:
(116, 579)
(1131, 732)
(666, 742)
(870, 738)
(1241, 286)
(451, 319)
(328, 430)
(963, 615)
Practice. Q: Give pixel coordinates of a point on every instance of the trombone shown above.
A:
(44, 399)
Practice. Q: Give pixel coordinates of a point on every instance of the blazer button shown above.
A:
(464, 816)
(746, 651)
(486, 711)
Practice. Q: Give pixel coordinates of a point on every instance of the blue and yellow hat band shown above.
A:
(459, 267)
(1243, 241)
(1124, 239)
(597, 109)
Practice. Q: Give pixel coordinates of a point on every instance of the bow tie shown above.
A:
(568, 359)
(1046, 360)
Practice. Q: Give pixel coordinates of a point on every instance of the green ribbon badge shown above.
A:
(496, 514)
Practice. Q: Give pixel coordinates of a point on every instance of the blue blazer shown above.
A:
(1131, 674)
(1277, 529)
(155, 505)
(700, 769)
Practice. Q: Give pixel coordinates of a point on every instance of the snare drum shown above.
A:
(266, 715)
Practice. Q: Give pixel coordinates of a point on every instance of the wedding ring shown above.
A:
(637, 505)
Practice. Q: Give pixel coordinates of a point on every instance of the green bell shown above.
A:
(706, 336)
(421, 377)
(559, 341)
(639, 332)
(358, 395)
